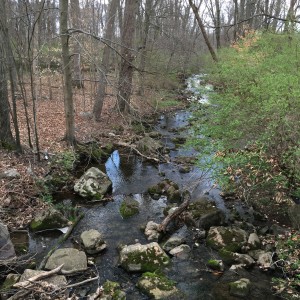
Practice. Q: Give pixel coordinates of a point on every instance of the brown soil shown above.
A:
(19, 199)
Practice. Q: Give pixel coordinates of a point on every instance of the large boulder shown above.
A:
(72, 259)
(6, 245)
(226, 238)
(48, 219)
(143, 258)
(92, 241)
(157, 286)
(58, 280)
(93, 184)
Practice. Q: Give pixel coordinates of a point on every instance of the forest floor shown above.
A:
(19, 199)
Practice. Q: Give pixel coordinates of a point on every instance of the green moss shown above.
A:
(113, 290)
(227, 256)
(149, 260)
(10, 280)
(160, 281)
(214, 264)
(129, 208)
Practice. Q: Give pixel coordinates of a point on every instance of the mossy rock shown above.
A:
(129, 207)
(158, 286)
(112, 290)
(167, 188)
(10, 280)
(227, 256)
(201, 206)
(48, 219)
(143, 258)
(216, 264)
(229, 238)
(93, 152)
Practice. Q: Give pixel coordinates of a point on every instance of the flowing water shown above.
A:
(132, 176)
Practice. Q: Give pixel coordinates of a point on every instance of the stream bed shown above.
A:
(130, 175)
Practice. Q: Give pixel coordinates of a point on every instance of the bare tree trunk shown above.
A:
(201, 25)
(11, 67)
(109, 32)
(276, 14)
(148, 13)
(76, 17)
(68, 96)
(6, 137)
(218, 24)
(290, 18)
(126, 68)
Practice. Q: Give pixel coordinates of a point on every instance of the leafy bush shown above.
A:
(253, 121)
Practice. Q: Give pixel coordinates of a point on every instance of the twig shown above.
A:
(59, 242)
(82, 282)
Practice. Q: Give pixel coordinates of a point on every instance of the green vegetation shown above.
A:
(159, 280)
(252, 125)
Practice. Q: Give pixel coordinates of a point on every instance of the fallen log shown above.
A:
(184, 205)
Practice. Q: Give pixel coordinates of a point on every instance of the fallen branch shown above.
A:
(187, 198)
(59, 242)
(45, 274)
(24, 285)
(134, 149)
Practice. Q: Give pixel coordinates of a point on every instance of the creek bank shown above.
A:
(188, 273)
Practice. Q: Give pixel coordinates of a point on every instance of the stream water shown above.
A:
(132, 176)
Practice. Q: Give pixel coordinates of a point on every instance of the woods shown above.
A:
(138, 132)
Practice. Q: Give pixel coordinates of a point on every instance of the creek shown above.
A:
(131, 175)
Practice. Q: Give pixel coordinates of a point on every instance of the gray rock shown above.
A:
(174, 241)
(92, 241)
(48, 219)
(240, 288)
(265, 260)
(10, 173)
(182, 251)
(10, 280)
(58, 280)
(254, 241)
(158, 287)
(93, 184)
(294, 216)
(6, 245)
(244, 259)
(72, 259)
(228, 238)
(151, 231)
(143, 258)
(214, 218)
(278, 230)
(256, 253)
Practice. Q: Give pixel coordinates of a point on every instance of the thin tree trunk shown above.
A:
(126, 68)
(68, 95)
(202, 28)
(101, 89)
(76, 17)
